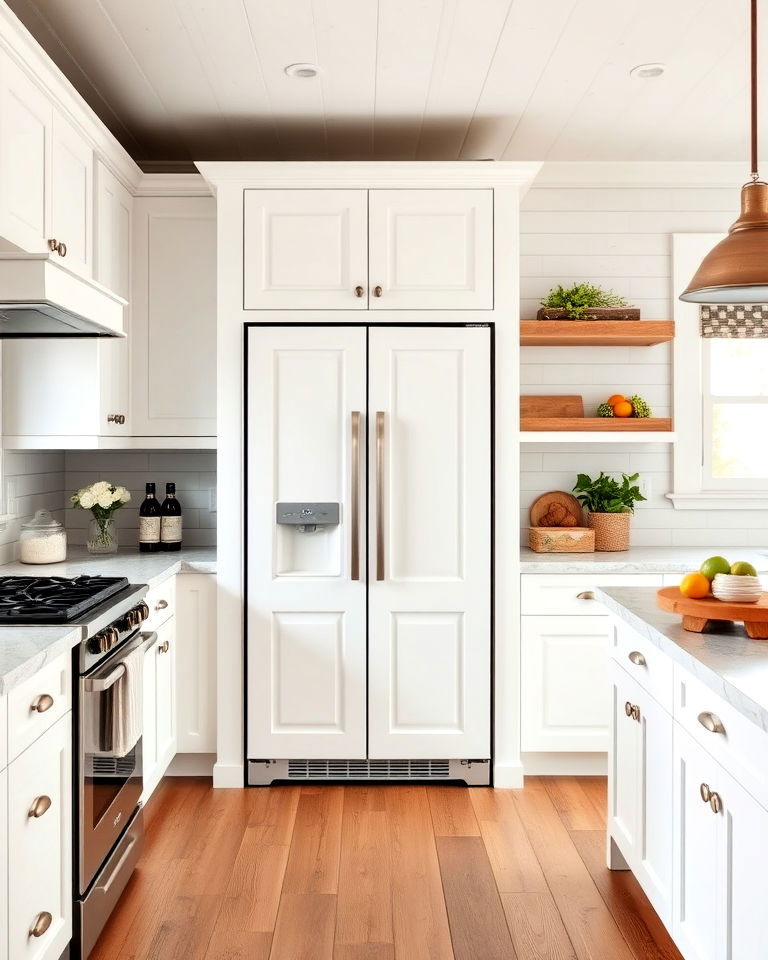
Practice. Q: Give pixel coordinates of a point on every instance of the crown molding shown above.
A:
(171, 185)
(679, 174)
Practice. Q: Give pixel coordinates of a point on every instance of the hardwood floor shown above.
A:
(381, 873)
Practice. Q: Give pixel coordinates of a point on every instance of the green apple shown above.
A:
(743, 569)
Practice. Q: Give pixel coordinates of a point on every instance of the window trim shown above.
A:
(688, 250)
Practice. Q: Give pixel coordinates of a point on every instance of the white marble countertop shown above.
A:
(149, 568)
(638, 560)
(727, 661)
(25, 650)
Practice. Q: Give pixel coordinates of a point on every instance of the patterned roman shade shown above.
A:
(734, 320)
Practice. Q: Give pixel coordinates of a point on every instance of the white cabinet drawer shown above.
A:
(645, 663)
(39, 847)
(36, 704)
(565, 699)
(736, 743)
(570, 593)
(161, 601)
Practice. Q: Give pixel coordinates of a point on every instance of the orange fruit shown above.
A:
(694, 585)
(616, 398)
(623, 409)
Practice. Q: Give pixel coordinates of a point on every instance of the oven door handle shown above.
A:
(104, 887)
(100, 684)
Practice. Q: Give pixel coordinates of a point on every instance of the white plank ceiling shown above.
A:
(178, 80)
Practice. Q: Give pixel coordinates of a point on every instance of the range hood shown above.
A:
(40, 297)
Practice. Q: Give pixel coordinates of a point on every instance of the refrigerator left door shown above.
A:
(305, 543)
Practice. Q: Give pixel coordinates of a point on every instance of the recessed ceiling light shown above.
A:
(647, 71)
(303, 71)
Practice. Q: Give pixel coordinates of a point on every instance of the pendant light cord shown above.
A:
(755, 175)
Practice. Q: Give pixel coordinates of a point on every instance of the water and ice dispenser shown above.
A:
(308, 538)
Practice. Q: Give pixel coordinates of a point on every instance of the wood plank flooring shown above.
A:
(381, 873)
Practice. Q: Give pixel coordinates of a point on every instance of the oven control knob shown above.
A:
(143, 609)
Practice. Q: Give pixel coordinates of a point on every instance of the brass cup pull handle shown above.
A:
(40, 926)
(628, 708)
(62, 249)
(42, 703)
(164, 647)
(161, 605)
(715, 802)
(711, 722)
(705, 792)
(40, 805)
(359, 291)
(637, 658)
(636, 713)
(585, 595)
(377, 291)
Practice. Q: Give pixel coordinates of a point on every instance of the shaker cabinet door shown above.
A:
(431, 249)
(72, 197)
(306, 250)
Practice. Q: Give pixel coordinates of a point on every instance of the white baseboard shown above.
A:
(508, 775)
(565, 764)
(228, 775)
(191, 765)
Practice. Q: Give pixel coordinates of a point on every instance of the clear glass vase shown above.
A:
(102, 536)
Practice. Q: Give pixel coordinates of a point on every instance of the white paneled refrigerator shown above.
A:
(368, 552)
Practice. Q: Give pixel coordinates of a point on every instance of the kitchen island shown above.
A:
(688, 774)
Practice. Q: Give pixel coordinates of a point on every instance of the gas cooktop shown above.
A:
(54, 599)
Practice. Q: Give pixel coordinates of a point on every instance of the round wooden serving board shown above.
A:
(697, 614)
(540, 507)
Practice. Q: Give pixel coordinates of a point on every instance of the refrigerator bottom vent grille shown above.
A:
(369, 769)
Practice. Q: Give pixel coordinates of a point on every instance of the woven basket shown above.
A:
(611, 530)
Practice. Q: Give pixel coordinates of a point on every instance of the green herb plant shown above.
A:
(604, 494)
(579, 298)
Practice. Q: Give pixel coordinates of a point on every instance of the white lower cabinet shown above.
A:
(196, 663)
(159, 737)
(40, 846)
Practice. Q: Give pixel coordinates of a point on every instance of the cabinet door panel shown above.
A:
(173, 317)
(429, 596)
(565, 701)
(745, 833)
(165, 666)
(306, 624)
(196, 663)
(431, 249)
(149, 724)
(305, 249)
(40, 860)
(624, 783)
(699, 901)
(72, 195)
(25, 158)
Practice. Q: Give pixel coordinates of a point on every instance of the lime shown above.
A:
(743, 569)
(715, 565)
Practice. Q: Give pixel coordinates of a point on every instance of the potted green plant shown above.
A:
(610, 504)
(585, 301)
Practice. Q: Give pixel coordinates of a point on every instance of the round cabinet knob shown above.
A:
(40, 805)
(705, 792)
(377, 291)
(62, 249)
(637, 658)
(40, 926)
(53, 245)
(628, 708)
(359, 291)
(42, 703)
(161, 605)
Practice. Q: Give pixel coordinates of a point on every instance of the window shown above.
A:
(720, 403)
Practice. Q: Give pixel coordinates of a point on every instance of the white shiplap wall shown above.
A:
(618, 234)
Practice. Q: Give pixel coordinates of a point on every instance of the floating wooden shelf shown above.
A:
(602, 425)
(595, 333)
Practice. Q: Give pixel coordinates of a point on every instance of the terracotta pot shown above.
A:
(611, 530)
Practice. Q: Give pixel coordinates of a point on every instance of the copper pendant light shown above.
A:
(736, 270)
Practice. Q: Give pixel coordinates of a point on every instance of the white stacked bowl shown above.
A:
(734, 589)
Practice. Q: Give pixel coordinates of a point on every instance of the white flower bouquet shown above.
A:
(102, 499)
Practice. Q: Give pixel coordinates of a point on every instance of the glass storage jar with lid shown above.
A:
(43, 539)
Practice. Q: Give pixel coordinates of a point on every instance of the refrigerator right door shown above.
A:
(429, 536)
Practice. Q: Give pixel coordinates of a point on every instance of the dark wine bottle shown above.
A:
(170, 520)
(149, 522)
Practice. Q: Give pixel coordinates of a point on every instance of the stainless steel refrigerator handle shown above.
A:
(100, 684)
(380, 495)
(355, 497)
